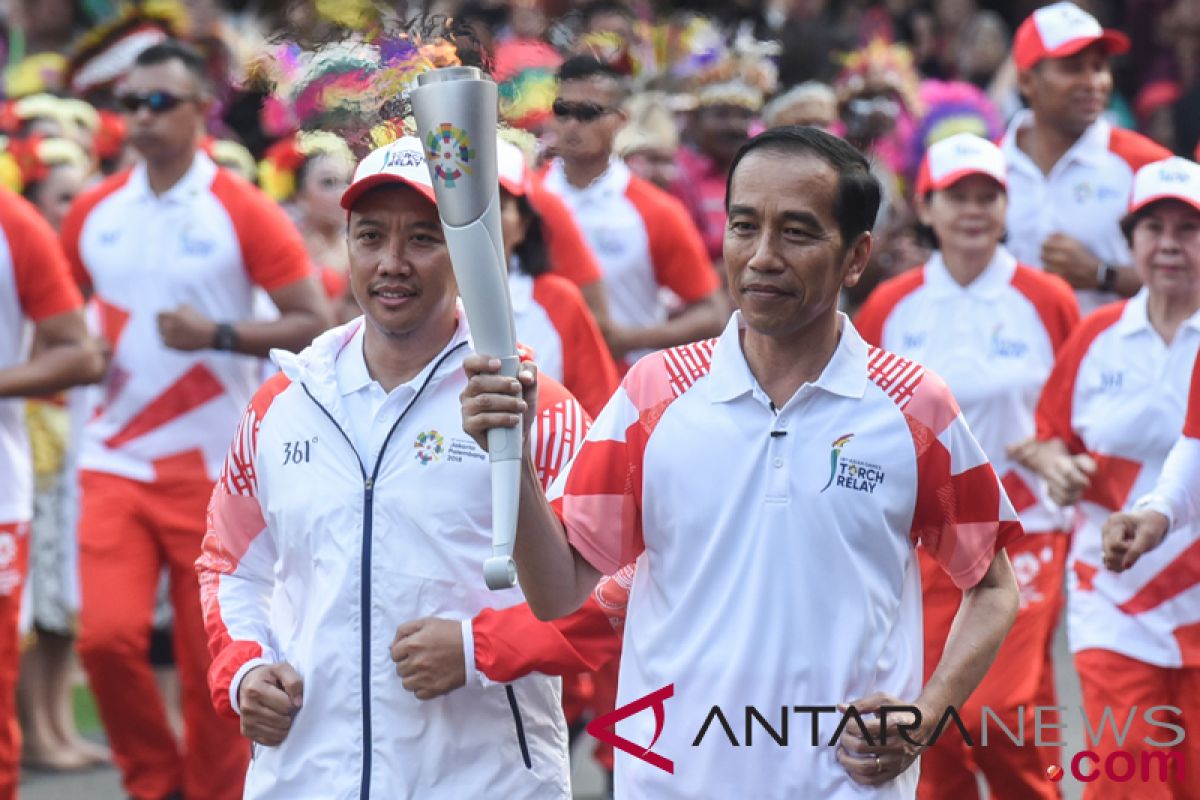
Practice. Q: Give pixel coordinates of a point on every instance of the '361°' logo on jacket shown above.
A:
(849, 473)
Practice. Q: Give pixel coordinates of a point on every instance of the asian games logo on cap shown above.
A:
(449, 150)
(429, 446)
(848, 473)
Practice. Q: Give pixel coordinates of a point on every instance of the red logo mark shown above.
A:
(603, 727)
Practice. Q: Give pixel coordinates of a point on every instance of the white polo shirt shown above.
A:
(1084, 196)
(994, 343)
(1118, 392)
(35, 284)
(207, 242)
(644, 240)
(1177, 493)
(775, 551)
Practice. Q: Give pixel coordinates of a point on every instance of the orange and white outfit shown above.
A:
(994, 343)
(156, 444)
(644, 240)
(1118, 392)
(35, 284)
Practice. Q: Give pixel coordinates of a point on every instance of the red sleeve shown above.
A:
(677, 252)
(43, 277)
(1054, 414)
(512, 642)
(588, 369)
(272, 249)
(1135, 149)
(1191, 423)
(1053, 299)
(72, 226)
(882, 301)
(570, 255)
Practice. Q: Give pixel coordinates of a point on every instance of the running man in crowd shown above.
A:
(644, 239)
(822, 463)
(35, 287)
(353, 507)
(1069, 169)
(172, 251)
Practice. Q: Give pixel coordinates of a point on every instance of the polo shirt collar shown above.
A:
(611, 184)
(990, 284)
(730, 377)
(197, 179)
(1089, 148)
(1135, 317)
(351, 365)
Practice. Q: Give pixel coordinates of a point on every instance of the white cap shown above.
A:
(511, 167)
(402, 161)
(956, 157)
(1172, 178)
(1060, 30)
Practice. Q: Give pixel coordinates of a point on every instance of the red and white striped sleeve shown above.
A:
(236, 564)
(962, 516)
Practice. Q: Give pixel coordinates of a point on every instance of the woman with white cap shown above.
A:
(1110, 413)
(991, 328)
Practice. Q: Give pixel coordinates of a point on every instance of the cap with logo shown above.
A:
(401, 162)
(1061, 30)
(1172, 178)
(956, 157)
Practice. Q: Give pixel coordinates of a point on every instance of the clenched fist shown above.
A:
(269, 698)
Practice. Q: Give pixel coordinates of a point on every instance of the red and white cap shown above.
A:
(1172, 178)
(511, 167)
(1061, 30)
(956, 157)
(402, 162)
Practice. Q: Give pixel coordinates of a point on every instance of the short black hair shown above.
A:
(174, 50)
(858, 190)
(581, 68)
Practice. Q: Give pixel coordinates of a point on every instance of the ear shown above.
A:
(857, 257)
(1027, 83)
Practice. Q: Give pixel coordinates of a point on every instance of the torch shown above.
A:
(455, 110)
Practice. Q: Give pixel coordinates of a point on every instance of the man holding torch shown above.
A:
(352, 507)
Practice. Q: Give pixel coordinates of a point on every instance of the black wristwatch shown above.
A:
(1106, 276)
(225, 338)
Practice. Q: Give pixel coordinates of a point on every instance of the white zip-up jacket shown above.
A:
(314, 557)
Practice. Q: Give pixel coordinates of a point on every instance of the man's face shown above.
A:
(1069, 93)
(722, 129)
(172, 131)
(587, 138)
(784, 254)
(400, 269)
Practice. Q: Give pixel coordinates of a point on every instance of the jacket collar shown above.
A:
(1089, 148)
(996, 276)
(197, 179)
(1135, 317)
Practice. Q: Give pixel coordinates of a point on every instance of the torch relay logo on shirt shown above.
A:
(1151, 760)
(848, 473)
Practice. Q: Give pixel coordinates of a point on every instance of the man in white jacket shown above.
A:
(352, 503)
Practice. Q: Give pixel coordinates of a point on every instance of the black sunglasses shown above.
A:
(584, 112)
(157, 102)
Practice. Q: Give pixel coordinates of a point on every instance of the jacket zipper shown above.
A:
(365, 572)
(516, 712)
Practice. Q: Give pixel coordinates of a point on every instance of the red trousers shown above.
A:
(128, 530)
(1111, 680)
(1022, 675)
(14, 566)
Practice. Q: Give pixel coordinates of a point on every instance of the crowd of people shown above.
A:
(860, 340)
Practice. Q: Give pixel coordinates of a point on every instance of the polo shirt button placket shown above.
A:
(777, 476)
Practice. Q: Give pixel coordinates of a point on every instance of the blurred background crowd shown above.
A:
(303, 89)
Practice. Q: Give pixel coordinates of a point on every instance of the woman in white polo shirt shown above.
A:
(990, 327)
(1110, 413)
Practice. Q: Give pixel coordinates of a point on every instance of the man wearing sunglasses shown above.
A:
(173, 251)
(644, 239)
